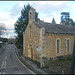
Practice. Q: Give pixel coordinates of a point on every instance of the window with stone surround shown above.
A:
(30, 31)
(58, 46)
(67, 45)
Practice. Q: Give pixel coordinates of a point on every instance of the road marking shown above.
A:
(5, 58)
(24, 65)
(3, 64)
(2, 72)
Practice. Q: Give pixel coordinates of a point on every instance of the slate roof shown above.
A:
(55, 28)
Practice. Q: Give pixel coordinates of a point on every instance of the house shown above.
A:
(54, 39)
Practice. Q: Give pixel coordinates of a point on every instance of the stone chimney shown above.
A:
(31, 15)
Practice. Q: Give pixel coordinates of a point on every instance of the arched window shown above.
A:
(57, 43)
(30, 31)
(68, 45)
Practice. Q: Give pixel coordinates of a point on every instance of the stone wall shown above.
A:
(37, 37)
(50, 45)
(32, 36)
(33, 39)
(59, 68)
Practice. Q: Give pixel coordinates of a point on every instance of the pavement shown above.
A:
(31, 65)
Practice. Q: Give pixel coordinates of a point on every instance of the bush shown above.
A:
(64, 59)
(0, 45)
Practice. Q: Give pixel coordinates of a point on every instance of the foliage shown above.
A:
(0, 45)
(64, 59)
(5, 40)
(65, 19)
(53, 21)
(11, 41)
(21, 25)
(2, 29)
(74, 23)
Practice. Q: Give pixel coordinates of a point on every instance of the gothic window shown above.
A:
(30, 31)
(68, 45)
(57, 45)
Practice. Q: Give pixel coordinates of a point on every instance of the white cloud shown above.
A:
(16, 10)
(7, 20)
(9, 33)
(3, 16)
(72, 6)
(10, 17)
(47, 11)
(48, 6)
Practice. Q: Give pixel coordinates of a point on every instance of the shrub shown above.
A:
(0, 45)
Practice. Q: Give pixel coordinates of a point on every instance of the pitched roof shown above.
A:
(55, 28)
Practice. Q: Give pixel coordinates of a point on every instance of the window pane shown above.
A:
(57, 46)
(67, 45)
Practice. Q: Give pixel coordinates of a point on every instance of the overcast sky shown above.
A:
(11, 10)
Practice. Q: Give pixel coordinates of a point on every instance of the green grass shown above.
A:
(52, 72)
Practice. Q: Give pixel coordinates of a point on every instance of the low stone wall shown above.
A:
(59, 68)
(45, 62)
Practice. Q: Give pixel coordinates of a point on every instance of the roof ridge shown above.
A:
(55, 28)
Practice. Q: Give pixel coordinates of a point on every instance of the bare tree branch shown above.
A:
(2, 29)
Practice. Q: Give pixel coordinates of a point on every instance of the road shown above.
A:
(9, 63)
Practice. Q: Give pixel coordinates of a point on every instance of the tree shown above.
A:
(65, 19)
(53, 21)
(74, 23)
(2, 29)
(21, 25)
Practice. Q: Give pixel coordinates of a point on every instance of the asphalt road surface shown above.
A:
(9, 63)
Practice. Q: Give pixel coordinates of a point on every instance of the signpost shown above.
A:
(39, 49)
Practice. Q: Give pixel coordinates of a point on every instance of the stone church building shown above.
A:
(54, 39)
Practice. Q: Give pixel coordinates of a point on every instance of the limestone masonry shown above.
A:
(54, 39)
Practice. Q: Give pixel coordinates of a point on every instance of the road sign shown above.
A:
(39, 49)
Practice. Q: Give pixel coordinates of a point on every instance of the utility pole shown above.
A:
(41, 59)
(39, 49)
